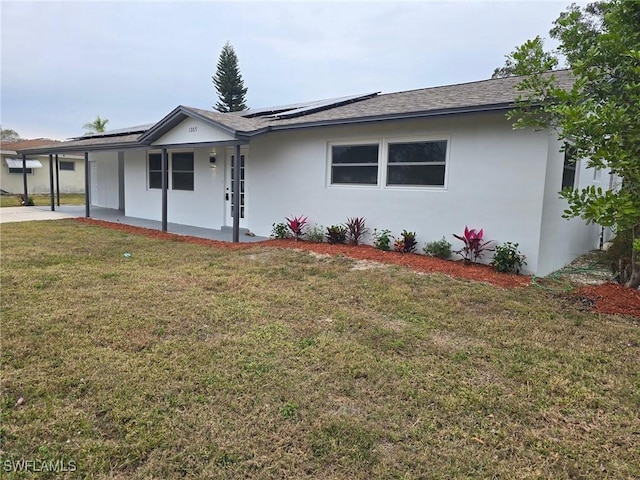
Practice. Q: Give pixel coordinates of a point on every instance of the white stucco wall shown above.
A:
(103, 168)
(563, 240)
(71, 181)
(191, 130)
(495, 181)
(202, 207)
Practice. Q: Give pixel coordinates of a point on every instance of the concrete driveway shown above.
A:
(27, 214)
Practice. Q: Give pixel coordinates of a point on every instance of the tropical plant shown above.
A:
(279, 231)
(356, 229)
(382, 239)
(9, 135)
(315, 234)
(474, 244)
(99, 125)
(508, 259)
(228, 82)
(406, 243)
(296, 225)
(439, 248)
(336, 234)
(596, 116)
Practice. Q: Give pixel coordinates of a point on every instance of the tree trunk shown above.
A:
(634, 278)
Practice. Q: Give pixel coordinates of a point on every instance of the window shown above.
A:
(569, 169)
(182, 171)
(155, 170)
(417, 163)
(354, 164)
(19, 170)
(66, 165)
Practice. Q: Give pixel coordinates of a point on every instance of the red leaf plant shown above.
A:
(296, 224)
(474, 246)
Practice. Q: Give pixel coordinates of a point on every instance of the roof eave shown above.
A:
(388, 117)
(75, 149)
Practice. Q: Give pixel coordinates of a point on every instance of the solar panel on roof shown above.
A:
(120, 131)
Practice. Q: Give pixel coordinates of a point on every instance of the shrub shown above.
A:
(356, 229)
(336, 234)
(315, 234)
(508, 258)
(439, 248)
(296, 224)
(382, 239)
(474, 246)
(279, 231)
(28, 202)
(406, 243)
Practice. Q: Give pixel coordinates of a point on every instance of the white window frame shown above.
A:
(71, 162)
(354, 143)
(417, 139)
(169, 170)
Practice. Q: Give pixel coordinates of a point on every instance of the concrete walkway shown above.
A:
(25, 214)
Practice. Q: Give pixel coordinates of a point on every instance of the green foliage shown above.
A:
(508, 259)
(28, 202)
(356, 229)
(528, 58)
(382, 239)
(598, 115)
(99, 125)
(229, 83)
(279, 231)
(439, 248)
(9, 135)
(289, 411)
(315, 234)
(406, 243)
(336, 234)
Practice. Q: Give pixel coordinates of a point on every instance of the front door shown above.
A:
(229, 206)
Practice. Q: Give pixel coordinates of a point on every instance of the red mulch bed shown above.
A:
(612, 298)
(606, 298)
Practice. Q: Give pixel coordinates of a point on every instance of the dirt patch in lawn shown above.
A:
(604, 298)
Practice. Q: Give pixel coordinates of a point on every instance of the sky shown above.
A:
(63, 63)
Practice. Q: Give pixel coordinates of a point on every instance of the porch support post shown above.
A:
(58, 179)
(51, 192)
(165, 178)
(236, 195)
(24, 179)
(87, 186)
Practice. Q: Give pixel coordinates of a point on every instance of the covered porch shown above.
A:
(118, 216)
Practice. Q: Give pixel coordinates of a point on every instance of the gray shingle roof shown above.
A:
(485, 95)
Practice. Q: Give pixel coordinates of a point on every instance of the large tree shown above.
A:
(598, 117)
(229, 83)
(529, 57)
(9, 135)
(99, 125)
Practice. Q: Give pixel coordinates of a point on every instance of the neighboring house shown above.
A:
(430, 161)
(70, 169)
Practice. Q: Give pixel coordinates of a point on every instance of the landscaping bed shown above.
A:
(603, 298)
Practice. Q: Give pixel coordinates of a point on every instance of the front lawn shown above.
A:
(182, 360)
(43, 200)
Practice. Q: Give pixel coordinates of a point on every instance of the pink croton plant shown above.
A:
(474, 246)
(296, 224)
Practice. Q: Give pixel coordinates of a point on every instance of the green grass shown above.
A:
(190, 361)
(43, 200)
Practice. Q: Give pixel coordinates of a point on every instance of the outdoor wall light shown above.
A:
(212, 160)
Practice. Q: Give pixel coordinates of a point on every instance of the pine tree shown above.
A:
(229, 83)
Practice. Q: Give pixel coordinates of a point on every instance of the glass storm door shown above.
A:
(229, 190)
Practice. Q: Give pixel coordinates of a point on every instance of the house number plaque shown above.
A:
(193, 129)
